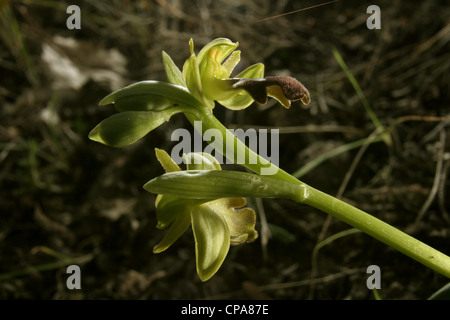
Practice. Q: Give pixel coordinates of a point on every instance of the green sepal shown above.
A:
(125, 128)
(241, 99)
(240, 221)
(222, 48)
(212, 240)
(231, 62)
(201, 161)
(166, 161)
(168, 207)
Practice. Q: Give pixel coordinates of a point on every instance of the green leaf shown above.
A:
(212, 240)
(242, 99)
(385, 133)
(174, 75)
(126, 128)
(216, 184)
(240, 221)
(166, 161)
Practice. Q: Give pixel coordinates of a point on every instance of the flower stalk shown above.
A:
(205, 197)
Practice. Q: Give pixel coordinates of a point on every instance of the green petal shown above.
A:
(126, 128)
(178, 227)
(174, 75)
(222, 48)
(212, 240)
(166, 161)
(242, 99)
(143, 102)
(240, 221)
(255, 71)
(277, 93)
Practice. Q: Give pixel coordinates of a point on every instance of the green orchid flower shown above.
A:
(205, 197)
(216, 224)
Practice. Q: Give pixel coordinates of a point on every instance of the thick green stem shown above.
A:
(359, 219)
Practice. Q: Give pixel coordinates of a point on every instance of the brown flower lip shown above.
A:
(292, 89)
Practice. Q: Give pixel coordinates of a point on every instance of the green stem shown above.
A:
(357, 218)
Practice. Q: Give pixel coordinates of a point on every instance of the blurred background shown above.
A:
(67, 200)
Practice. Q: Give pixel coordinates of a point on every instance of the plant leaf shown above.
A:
(212, 240)
(125, 128)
